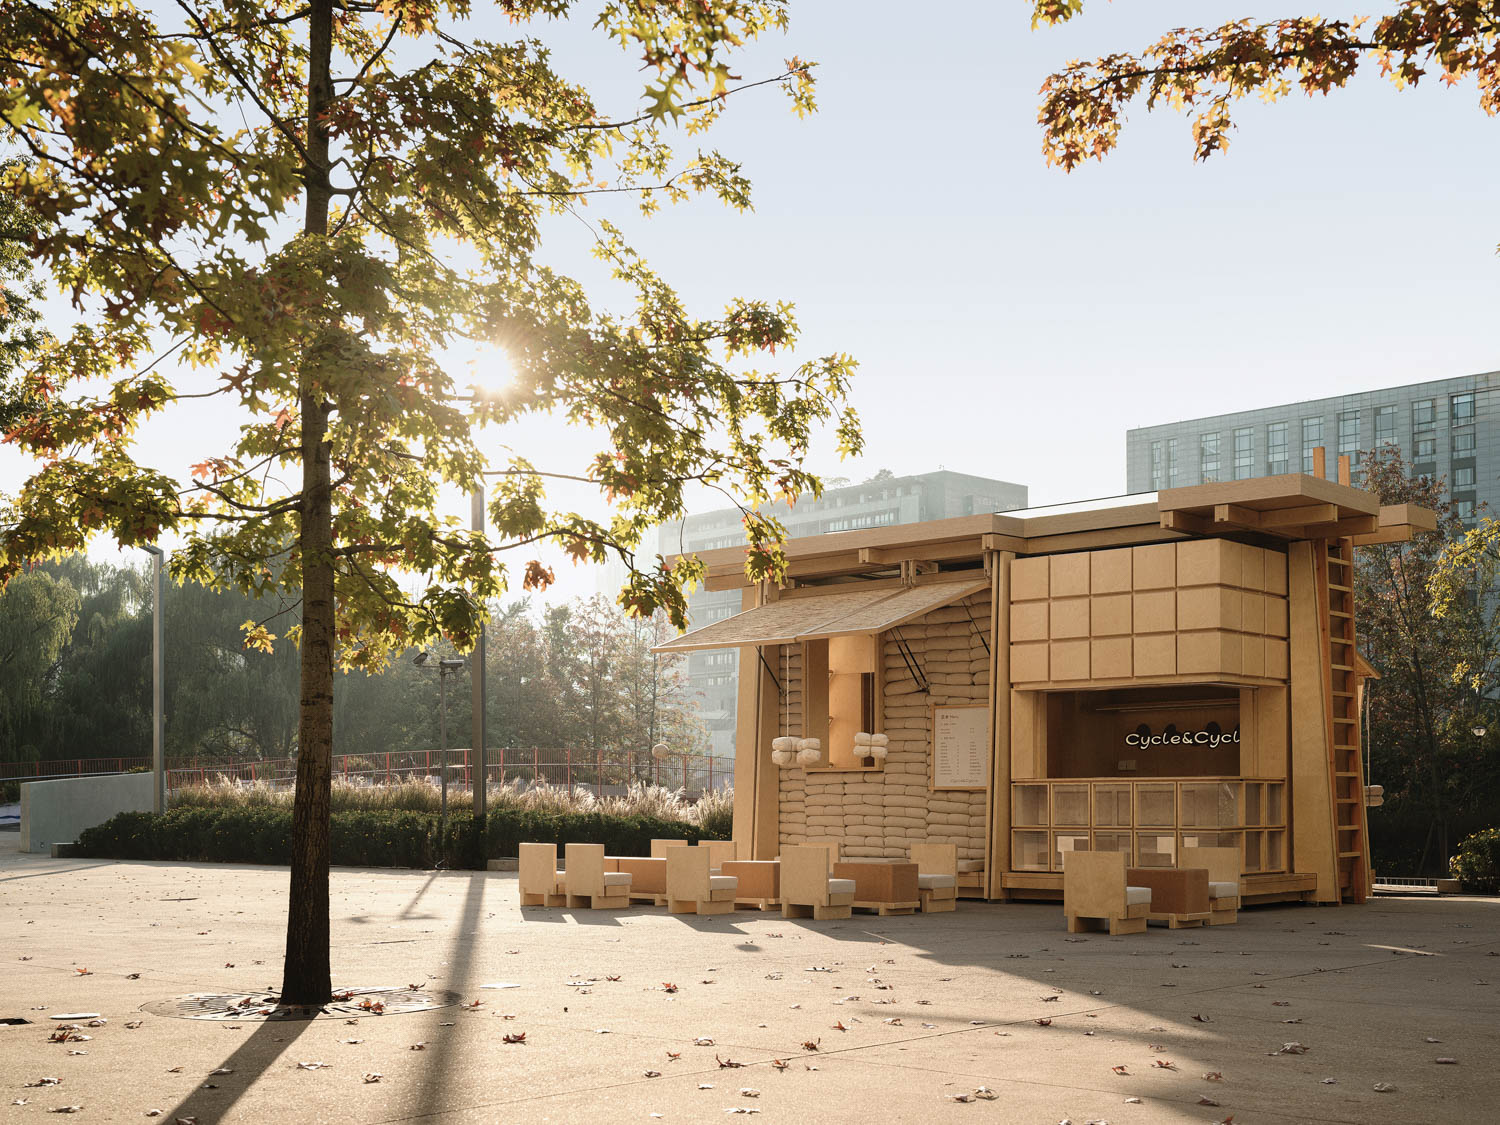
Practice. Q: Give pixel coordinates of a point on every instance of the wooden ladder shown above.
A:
(1336, 587)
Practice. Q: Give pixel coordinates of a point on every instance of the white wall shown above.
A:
(55, 812)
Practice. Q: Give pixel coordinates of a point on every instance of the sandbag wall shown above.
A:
(877, 813)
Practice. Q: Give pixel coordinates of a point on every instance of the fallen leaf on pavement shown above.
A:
(1291, 1049)
(1385, 1087)
(1206, 1100)
(727, 1064)
(1042, 1022)
(131, 1025)
(1164, 1064)
(703, 1041)
(313, 1065)
(418, 1046)
(374, 1076)
(518, 1037)
(811, 1044)
(1446, 1060)
(749, 1092)
(1202, 1019)
(653, 1074)
(1214, 1076)
(1120, 1070)
(46, 1082)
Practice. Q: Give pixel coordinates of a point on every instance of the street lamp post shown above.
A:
(158, 647)
(445, 667)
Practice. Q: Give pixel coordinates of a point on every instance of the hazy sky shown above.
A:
(1013, 321)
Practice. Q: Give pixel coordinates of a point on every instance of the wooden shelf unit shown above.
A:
(1149, 819)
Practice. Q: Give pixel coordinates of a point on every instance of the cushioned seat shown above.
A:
(617, 878)
(1223, 890)
(691, 889)
(970, 866)
(1137, 896)
(932, 882)
(841, 886)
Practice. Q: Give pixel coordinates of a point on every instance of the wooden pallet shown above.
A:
(887, 908)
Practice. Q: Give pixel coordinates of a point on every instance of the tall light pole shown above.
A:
(476, 684)
(158, 649)
(446, 667)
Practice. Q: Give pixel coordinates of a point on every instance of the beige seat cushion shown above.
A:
(723, 882)
(1223, 890)
(617, 878)
(969, 866)
(933, 882)
(1137, 896)
(841, 886)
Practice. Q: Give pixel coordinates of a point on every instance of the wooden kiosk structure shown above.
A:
(1142, 675)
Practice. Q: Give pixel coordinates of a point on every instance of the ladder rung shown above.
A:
(1340, 562)
(1341, 589)
(1347, 800)
(1339, 613)
(1349, 855)
(1342, 668)
(1339, 720)
(1344, 694)
(1345, 773)
(1348, 827)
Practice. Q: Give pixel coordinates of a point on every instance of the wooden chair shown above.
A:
(972, 879)
(692, 889)
(589, 884)
(1223, 866)
(937, 876)
(1094, 892)
(540, 882)
(659, 847)
(807, 890)
(719, 851)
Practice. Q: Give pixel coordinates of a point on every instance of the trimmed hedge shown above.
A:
(1477, 864)
(368, 839)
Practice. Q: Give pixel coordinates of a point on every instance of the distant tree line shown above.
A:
(75, 678)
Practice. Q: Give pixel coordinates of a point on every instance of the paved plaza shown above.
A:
(638, 1015)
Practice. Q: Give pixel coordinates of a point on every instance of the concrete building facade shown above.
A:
(881, 502)
(1444, 427)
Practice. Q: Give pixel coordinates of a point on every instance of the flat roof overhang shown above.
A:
(1290, 507)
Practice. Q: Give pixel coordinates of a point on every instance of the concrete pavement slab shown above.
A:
(901, 1013)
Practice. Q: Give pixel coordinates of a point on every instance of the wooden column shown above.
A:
(756, 788)
(1313, 846)
(997, 805)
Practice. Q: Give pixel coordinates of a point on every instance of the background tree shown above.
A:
(1205, 71)
(1436, 671)
(37, 613)
(309, 204)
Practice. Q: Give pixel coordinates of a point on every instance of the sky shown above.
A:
(1014, 321)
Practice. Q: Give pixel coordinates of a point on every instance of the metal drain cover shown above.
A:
(237, 1006)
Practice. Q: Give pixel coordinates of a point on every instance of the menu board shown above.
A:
(960, 747)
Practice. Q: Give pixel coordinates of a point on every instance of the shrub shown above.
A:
(262, 833)
(715, 810)
(1477, 864)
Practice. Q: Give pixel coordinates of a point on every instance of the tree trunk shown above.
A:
(306, 978)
